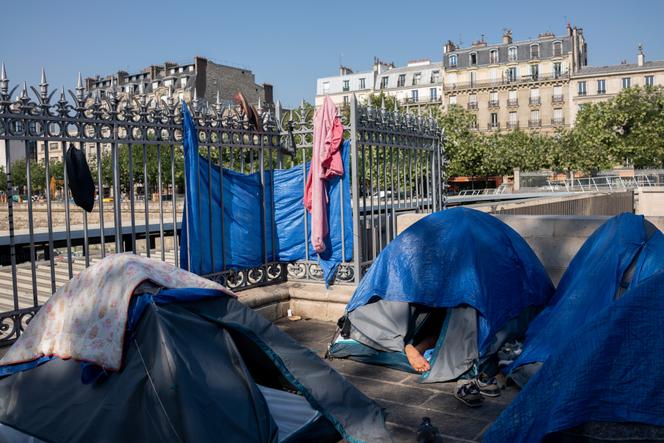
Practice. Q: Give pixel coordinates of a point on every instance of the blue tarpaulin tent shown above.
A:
(258, 226)
(609, 370)
(592, 282)
(458, 258)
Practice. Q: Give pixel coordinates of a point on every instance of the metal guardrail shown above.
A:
(134, 147)
(610, 183)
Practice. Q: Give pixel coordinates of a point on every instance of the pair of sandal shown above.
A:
(472, 392)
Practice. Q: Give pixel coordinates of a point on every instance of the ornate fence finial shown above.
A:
(43, 85)
(24, 94)
(194, 102)
(4, 82)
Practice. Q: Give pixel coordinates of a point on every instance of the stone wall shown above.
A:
(58, 214)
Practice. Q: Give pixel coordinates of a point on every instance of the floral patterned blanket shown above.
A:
(86, 318)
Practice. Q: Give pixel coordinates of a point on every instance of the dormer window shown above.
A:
(511, 54)
(453, 61)
(534, 51)
(493, 56)
(473, 58)
(416, 78)
(557, 49)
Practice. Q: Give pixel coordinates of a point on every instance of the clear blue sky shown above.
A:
(291, 43)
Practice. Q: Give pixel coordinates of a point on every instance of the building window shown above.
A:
(453, 100)
(168, 83)
(557, 70)
(473, 78)
(401, 81)
(534, 51)
(511, 74)
(535, 96)
(473, 58)
(534, 118)
(626, 82)
(383, 82)
(346, 86)
(557, 49)
(493, 56)
(534, 72)
(453, 61)
(513, 120)
(326, 87)
(512, 54)
(512, 98)
(494, 120)
(183, 82)
(558, 94)
(433, 94)
(363, 83)
(416, 78)
(472, 101)
(601, 87)
(558, 118)
(493, 99)
(650, 80)
(155, 85)
(435, 76)
(414, 95)
(346, 100)
(582, 88)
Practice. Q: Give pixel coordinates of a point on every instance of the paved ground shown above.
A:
(405, 400)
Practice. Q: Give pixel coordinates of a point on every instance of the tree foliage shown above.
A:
(625, 130)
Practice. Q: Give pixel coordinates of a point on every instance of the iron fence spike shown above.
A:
(79, 82)
(3, 74)
(43, 77)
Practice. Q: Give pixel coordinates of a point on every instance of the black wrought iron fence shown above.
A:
(134, 146)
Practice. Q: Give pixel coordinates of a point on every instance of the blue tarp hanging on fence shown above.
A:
(240, 243)
(610, 370)
(589, 285)
(456, 257)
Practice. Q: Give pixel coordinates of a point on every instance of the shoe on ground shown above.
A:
(468, 393)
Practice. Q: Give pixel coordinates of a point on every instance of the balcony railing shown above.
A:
(534, 101)
(493, 126)
(512, 125)
(558, 121)
(421, 100)
(558, 98)
(494, 103)
(512, 103)
(535, 123)
(506, 81)
(472, 105)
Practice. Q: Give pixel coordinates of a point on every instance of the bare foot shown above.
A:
(416, 360)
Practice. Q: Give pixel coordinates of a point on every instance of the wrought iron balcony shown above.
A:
(491, 126)
(558, 121)
(472, 105)
(512, 125)
(535, 123)
(494, 104)
(534, 101)
(512, 102)
(558, 98)
(505, 81)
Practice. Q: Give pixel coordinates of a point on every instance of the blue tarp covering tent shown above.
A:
(609, 370)
(593, 280)
(457, 258)
(245, 240)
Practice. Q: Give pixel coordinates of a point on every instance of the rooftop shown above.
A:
(623, 67)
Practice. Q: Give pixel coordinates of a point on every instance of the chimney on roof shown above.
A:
(449, 47)
(507, 37)
(345, 70)
(640, 57)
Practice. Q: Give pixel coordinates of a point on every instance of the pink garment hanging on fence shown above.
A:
(325, 163)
